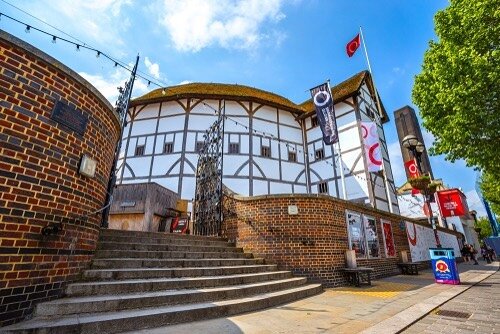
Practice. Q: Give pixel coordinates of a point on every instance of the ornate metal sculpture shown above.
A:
(208, 196)
(121, 108)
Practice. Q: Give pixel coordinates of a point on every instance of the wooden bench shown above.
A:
(409, 268)
(356, 276)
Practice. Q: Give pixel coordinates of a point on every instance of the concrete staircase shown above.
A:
(143, 280)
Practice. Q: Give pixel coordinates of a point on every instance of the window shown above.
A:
(323, 188)
(234, 148)
(168, 148)
(292, 156)
(319, 154)
(265, 151)
(139, 150)
(363, 238)
(314, 121)
(199, 146)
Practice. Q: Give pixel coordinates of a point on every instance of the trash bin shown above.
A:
(444, 265)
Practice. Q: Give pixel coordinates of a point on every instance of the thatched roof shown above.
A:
(340, 92)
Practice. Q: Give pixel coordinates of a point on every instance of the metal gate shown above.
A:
(208, 196)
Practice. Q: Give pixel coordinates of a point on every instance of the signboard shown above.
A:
(390, 249)
(70, 117)
(323, 102)
(179, 225)
(356, 233)
(421, 238)
(452, 202)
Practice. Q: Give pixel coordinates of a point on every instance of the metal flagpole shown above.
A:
(342, 177)
(379, 111)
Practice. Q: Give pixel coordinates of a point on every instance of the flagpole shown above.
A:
(379, 111)
(342, 176)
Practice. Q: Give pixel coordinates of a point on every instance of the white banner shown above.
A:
(372, 146)
(421, 238)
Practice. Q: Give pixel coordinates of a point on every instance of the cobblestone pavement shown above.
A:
(388, 306)
(477, 310)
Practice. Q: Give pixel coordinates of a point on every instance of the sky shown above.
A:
(281, 46)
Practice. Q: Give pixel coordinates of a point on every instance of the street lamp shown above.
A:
(412, 143)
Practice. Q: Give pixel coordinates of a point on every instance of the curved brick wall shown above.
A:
(312, 243)
(39, 180)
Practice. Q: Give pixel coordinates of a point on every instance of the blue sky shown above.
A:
(285, 47)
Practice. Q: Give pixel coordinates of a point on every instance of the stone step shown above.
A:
(141, 273)
(103, 245)
(108, 232)
(170, 263)
(166, 240)
(135, 319)
(145, 285)
(109, 303)
(169, 255)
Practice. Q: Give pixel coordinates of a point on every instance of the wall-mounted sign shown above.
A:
(179, 225)
(127, 204)
(70, 117)
(452, 202)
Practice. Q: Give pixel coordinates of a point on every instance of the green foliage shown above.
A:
(458, 89)
(490, 187)
(484, 224)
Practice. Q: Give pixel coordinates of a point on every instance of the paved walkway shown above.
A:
(477, 310)
(389, 306)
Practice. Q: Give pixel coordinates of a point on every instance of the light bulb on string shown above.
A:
(78, 47)
(54, 38)
(27, 30)
(98, 54)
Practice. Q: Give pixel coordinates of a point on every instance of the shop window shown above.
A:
(363, 238)
(234, 148)
(323, 187)
(139, 150)
(319, 154)
(168, 148)
(265, 151)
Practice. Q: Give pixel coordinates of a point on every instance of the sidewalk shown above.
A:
(388, 306)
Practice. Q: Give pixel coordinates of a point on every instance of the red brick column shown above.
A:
(39, 179)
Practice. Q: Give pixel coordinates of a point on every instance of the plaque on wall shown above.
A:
(70, 117)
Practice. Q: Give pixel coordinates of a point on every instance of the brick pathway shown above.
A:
(478, 307)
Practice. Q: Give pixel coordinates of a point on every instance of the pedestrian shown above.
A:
(465, 253)
(485, 254)
(473, 252)
(491, 252)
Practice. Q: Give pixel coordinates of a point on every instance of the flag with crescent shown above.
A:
(372, 146)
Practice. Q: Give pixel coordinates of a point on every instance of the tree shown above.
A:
(458, 89)
(484, 224)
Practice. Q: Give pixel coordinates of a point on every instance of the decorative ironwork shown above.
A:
(121, 108)
(209, 193)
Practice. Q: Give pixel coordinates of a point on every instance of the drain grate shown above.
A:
(453, 314)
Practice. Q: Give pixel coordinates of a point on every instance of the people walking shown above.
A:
(473, 252)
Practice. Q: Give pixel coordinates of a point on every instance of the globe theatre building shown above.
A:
(271, 144)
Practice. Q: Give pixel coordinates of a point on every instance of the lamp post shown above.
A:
(411, 143)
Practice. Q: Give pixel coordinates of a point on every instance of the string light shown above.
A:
(82, 45)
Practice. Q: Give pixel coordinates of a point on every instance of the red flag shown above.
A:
(352, 46)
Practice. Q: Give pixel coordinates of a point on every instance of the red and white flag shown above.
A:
(352, 46)
(372, 146)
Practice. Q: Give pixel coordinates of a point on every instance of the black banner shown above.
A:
(323, 101)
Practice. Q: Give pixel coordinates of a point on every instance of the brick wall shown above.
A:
(39, 180)
(313, 242)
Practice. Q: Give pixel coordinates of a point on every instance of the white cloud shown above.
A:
(397, 164)
(108, 86)
(153, 68)
(99, 21)
(196, 24)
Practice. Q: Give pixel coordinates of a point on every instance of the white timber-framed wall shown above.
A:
(160, 144)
